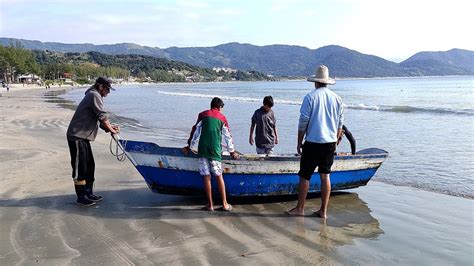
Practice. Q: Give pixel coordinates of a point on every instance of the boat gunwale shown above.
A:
(154, 149)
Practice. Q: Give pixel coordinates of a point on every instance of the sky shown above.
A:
(394, 30)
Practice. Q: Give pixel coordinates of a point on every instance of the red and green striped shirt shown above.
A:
(210, 129)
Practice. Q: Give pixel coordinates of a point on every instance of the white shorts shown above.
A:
(208, 167)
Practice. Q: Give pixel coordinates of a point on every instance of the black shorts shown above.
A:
(314, 155)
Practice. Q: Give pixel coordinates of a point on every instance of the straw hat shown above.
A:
(322, 76)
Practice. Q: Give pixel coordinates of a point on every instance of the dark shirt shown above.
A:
(350, 138)
(264, 132)
(84, 123)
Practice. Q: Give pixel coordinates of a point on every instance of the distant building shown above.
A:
(224, 69)
(66, 80)
(29, 79)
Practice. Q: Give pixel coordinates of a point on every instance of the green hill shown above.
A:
(285, 60)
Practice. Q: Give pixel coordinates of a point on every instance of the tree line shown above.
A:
(85, 67)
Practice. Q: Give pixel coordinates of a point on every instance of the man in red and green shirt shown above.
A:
(208, 132)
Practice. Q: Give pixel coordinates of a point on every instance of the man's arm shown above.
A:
(300, 141)
(341, 117)
(275, 128)
(228, 138)
(339, 134)
(194, 140)
(108, 127)
(350, 138)
(229, 141)
(252, 128)
(276, 134)
(305, 112)
(193, 129)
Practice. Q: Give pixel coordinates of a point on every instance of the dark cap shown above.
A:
(104, 81)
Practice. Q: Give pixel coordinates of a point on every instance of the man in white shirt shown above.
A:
(320, 124)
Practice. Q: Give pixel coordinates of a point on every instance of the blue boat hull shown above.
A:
(178, 182)
(168, 171)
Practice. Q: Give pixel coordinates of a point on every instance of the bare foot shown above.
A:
(228, 208)
(295, 212)
(320, 214)
(208, 208)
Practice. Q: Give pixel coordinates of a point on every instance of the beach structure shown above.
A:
(29, 79)
(167, 170)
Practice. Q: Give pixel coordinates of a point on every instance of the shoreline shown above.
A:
(21, 87)
(427, 189)
(375, 224)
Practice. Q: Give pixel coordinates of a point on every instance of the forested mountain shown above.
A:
(285, 60)
(159, 69)
(452, 62)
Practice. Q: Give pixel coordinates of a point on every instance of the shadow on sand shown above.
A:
(139, 203)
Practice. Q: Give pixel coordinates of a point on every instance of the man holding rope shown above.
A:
(83, 129)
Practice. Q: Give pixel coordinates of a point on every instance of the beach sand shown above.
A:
(39, 222)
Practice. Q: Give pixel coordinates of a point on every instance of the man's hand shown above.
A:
(186, 150)
(276, 140)
(235, 155)
(103, 127)
(298, 148)
(251, 140)
(116, 129)
(108, 127)
(339, 137)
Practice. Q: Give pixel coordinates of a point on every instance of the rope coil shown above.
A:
(119, 152)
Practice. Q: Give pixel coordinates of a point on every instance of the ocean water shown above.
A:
(426, 124)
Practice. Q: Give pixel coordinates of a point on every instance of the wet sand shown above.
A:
(39, 222)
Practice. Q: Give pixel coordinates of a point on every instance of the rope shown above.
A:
(119, 152)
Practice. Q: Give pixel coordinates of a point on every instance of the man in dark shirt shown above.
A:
(83, 129)
(264, 123)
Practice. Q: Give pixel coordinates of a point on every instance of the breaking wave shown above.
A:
(230, 98)
(381, 108)
(410, 109)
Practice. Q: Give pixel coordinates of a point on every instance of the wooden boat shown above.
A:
(167, 170)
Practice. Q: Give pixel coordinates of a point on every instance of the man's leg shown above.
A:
(307, 167)
(325, 193)
(302, 193)
(90, 176)
(204, 171)
(221, 187)
(327, 160)
(208, 190)
(77, 151)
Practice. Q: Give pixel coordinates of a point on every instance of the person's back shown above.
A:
(264, 124)
(321, 110)
(320, 125)
(213, 123)
(84, 123)
(209, 131)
